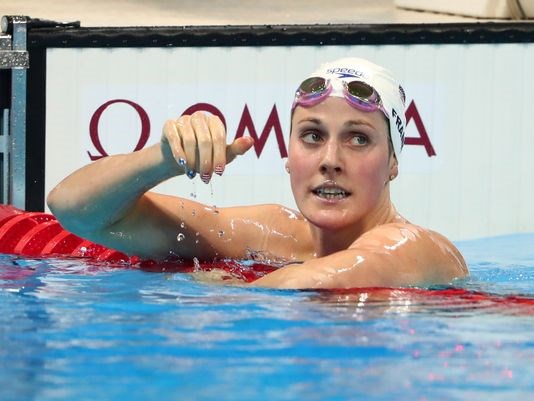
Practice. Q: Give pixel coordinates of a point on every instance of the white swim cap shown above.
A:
(390, 91)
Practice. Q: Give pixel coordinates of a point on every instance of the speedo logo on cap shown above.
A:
(345, 72)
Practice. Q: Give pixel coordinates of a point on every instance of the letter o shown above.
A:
(205, 107)
(95, 119)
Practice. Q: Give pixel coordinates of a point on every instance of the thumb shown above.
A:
(239, 147)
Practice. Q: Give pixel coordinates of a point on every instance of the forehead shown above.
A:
(336, 112)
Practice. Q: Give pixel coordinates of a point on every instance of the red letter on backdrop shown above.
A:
(423, 139)
(205, 107)
(93, 127)
(273, 122)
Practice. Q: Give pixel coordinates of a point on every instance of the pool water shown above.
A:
(71, 329)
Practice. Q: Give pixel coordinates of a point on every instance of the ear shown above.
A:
(394, 168)
(287, 166)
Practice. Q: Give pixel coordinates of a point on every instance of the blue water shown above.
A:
(72, 330)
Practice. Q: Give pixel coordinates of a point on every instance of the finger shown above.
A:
(174, 142)
(204, 145)
(239, 147)
(189, 143)
(218, 136)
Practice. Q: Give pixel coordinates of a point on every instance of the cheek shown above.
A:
(301, 167)
(297, 161)
(374, 172)
(298, 165)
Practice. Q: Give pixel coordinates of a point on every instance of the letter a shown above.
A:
(423, 139)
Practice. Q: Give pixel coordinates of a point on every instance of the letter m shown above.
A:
(273, 122)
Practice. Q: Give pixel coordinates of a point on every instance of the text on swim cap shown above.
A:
(345, 72)
(398, 123)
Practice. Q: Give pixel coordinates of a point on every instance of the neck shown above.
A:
(328, 241)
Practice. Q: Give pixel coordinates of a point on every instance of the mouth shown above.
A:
(331, 191)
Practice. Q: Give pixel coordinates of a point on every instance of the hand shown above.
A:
(197, 143)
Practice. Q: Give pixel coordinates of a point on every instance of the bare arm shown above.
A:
(103, 192)
(393, 255)
(107, 201)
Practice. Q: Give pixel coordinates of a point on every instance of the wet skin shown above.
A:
(340, 167)
(347, 234)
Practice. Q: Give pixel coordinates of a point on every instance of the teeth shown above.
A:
(331, 193)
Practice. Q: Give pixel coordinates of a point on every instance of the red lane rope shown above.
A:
(455, 298)
(40, 234)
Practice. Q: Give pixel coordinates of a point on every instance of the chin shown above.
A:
(336, 222)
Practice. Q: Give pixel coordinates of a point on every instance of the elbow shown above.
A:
(64, 211)
(52, 201)
(58, 203)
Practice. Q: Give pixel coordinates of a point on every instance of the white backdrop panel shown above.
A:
(474, 102)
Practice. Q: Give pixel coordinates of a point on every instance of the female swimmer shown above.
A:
(346, 137)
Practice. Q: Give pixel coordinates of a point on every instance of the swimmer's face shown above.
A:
(340, 163)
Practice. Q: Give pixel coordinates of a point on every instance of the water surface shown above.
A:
(75, 330)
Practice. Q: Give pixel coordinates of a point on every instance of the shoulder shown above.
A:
(425, 252)
(390, 255)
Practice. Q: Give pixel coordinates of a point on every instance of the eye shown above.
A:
(359, 140)
(311, 137)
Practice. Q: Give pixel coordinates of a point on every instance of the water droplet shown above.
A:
(197, 234)
(196, 264)
(221, 233)
(182, 224)
(196, 241)
(194, 212)
(180, 237)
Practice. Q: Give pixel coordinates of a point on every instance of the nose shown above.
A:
(331, 162)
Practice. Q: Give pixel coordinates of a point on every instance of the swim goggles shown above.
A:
(357, 93)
